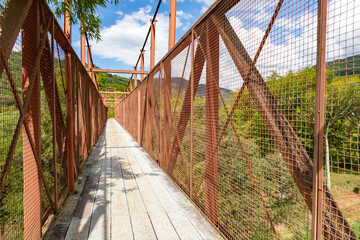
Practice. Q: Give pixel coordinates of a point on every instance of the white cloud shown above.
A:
(343, 29)
(206, 2)
(184, 15)
(204, 8)
(123, 40)
(284, 51)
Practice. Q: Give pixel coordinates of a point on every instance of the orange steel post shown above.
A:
(212, 119)
(317, 205)
(172, 23)
(161, 159)
(56, 190)
(89, 63)
(135, 77)
(138, 114)
(32, 186)
(82, 46)
(152, 48)
(69, 107)
(167, 115)
(192, 114)
(142, 63)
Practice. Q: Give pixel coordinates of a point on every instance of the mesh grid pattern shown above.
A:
(33, 138)
(236, 108)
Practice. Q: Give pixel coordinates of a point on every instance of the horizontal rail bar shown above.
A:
(117, 71)
(102, 92)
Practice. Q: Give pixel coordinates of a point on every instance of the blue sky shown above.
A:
(290, 46)
(124, 28)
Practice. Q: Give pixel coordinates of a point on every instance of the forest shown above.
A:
(238, 197)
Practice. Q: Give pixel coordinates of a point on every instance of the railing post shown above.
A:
(89, 62)
(135, 78)
(32, 185)
(192, 113)
(161, 142)
(138, 111)
(82, 45)
(212, 119)
(172, 23)
(152, 48)
(69, 107)
(319, 123)
(167, 114)
(56, 190)
(142, 51)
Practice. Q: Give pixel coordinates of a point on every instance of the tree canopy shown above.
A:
(85, 11)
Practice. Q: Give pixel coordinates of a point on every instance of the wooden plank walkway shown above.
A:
(122, 194)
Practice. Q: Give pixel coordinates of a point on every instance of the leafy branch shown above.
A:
(85, 11)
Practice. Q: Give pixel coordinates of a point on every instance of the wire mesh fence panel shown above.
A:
(11, 203)
(180, 112)
(341, 129)
(34, 120)
(60, 108)
(238, 126)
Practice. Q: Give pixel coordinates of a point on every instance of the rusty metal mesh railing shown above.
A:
(255, 114)
(37, 68)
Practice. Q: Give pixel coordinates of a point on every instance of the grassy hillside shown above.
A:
(111, 80)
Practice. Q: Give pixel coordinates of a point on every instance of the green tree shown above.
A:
(342, 110)
(84, 10)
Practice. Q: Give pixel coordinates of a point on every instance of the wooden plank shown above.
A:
(141, 224)
(127, 196)
(161, 223)
(80, 223)
(100, 219)
(174, 200)
(180, 221)
(193, 227)
(121, 227)
(62, 222)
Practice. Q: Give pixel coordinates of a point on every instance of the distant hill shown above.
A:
(201, 90)
(348, 66)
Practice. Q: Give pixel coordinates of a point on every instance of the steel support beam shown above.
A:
(167, 118)
(32, 185)
(82, 45)
(317, 206)
(135, 77)
(172, 23)
(152, 47)
(11, 21)
(90, 67)
(142, 63)
(69, 107)
(212, 121)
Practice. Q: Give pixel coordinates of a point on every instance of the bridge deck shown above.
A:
(122, 194)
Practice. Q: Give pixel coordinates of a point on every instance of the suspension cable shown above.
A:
(147, 36)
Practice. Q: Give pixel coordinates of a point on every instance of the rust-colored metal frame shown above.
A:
(306, 175)
(38, 58)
